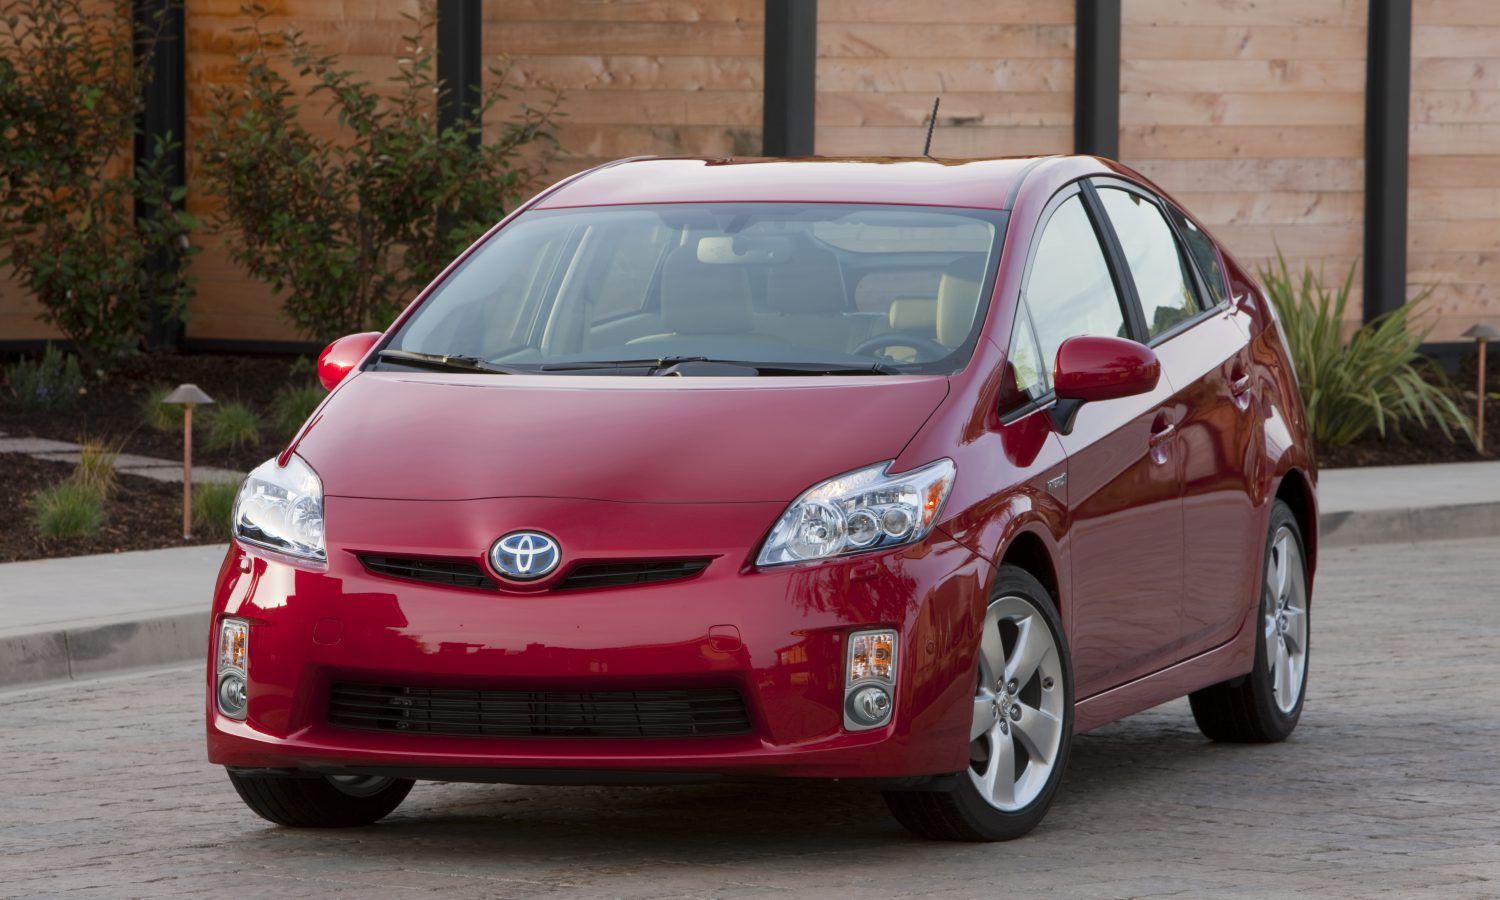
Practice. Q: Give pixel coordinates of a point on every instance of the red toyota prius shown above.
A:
(902, 471)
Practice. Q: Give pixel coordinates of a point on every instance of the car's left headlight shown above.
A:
(859, 511)
(281, 508)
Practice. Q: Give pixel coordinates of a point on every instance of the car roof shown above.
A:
(975, 183)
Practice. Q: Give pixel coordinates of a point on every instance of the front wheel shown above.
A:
(1264, 706)
(333, 801)
(1021, 730)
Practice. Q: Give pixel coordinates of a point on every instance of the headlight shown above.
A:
(281, 507)
(863, 510)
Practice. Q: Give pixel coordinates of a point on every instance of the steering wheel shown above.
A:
(902, 339)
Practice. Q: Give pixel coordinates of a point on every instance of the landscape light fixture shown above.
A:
(1482, 335)
(187, 396)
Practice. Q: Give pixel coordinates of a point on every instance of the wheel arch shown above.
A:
(1295, 490)
(1028, 551)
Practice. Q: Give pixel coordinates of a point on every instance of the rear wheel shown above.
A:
(1021, 729)
(333, 801)
(1264, 706)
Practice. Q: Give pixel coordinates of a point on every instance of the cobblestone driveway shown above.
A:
(1390, 786)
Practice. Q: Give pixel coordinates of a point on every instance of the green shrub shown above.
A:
(346, 226)
(231, 425)
(96, 466)
(160, 416)
(213, 504)
(92, 229)
(1374, 379)
(67, 510)
(53, 380)
(294, 405)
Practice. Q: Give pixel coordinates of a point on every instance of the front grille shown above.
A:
(646, 714)
(598, 575)
(452, 572)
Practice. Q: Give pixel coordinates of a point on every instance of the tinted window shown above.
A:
(1202, 250)
(1069, 290)
(1160, 272)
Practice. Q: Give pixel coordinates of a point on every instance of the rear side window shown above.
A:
(1069, 291)
(1163, 280)
(1201, 248)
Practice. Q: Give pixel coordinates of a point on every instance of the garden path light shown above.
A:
(187, 396)
(1482, 335)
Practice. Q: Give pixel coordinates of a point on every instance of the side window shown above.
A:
(1024, 380)
(1069, 289)
(1160, 271)
(1201, 248)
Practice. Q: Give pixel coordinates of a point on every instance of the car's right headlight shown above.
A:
(281, 508)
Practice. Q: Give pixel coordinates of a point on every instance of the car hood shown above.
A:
(435, 436)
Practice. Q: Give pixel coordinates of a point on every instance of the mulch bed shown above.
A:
(140, 514)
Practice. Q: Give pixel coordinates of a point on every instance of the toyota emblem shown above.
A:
(525, 555)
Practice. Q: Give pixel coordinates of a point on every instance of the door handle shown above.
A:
(1161, 435)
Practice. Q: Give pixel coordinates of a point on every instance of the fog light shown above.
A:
(233, 667)
(869, 679)
(232, 696)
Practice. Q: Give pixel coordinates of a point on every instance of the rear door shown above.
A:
(1123, 487)
(1205, 354)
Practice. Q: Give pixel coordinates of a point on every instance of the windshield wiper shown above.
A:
(448, 363)
(685, 365)
(797, 368)
(653, 363)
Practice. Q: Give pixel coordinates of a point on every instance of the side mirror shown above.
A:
(1099, 368)
(339, 358)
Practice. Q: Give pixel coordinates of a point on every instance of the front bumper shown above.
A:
(777, 637)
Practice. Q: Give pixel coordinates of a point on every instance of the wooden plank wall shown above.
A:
(1252, 114)
(367, 37)
(1454, 200)
(1004, 69)
(671, 77)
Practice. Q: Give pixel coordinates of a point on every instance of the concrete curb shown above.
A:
(88, 651)
(91, 650)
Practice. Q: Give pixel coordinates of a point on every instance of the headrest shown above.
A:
(703, 298)
(810, 283)
(914, 315)
(957, 302)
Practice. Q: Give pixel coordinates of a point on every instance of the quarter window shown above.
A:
(1162, 278)
(1202, 250)
(1069, 290)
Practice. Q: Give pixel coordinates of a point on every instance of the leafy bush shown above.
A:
(213, 505)
(1374, 379)
(160, 416)
(345, 227)
(96, 466)
(53, 380)
(67, 510)
(231, 425)
(70, 102)
(294, 405)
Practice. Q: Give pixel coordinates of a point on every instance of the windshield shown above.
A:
(842, 286)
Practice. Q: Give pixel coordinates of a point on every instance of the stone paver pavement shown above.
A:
(1391, 787)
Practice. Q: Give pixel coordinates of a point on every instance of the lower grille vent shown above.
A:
(598, 575)
(453, 572)
(647, 714)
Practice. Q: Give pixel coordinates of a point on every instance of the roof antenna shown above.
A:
(927, 147)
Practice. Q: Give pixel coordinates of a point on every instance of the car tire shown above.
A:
(1257, 708)
(321, 802)
(1033, 718)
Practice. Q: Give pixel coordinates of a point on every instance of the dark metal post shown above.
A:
(159, 30)
(1387, 118)
(1096, 82)
(459, 65)
(790, 84)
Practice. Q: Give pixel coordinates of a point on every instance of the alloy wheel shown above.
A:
(1286, 619)
(1017, 729)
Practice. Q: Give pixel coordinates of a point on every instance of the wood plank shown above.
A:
(1454, 171)
(617, 141)
(1455, 12)
(586, 38)
(586, 107)
(1163, 108)
(1456, 139)
(1455, 74)
(1451, 267)
(1032, 12)
(500, 13)
(1455, 106)
(351, 11)
(966, 41)
(1238, 141)
(1463, 42)
(1242, 75)
(1275, 207)
(1303, 13)
(1306, 241)
(1153, 41)
(1428, 204)
(629, 73)
(843, 108)
(933, 76)
(955, 143)
(1478, 235)
(1281, 174)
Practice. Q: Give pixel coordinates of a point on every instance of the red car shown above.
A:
(903, 471)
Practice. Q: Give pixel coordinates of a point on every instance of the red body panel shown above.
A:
(1147, 521)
